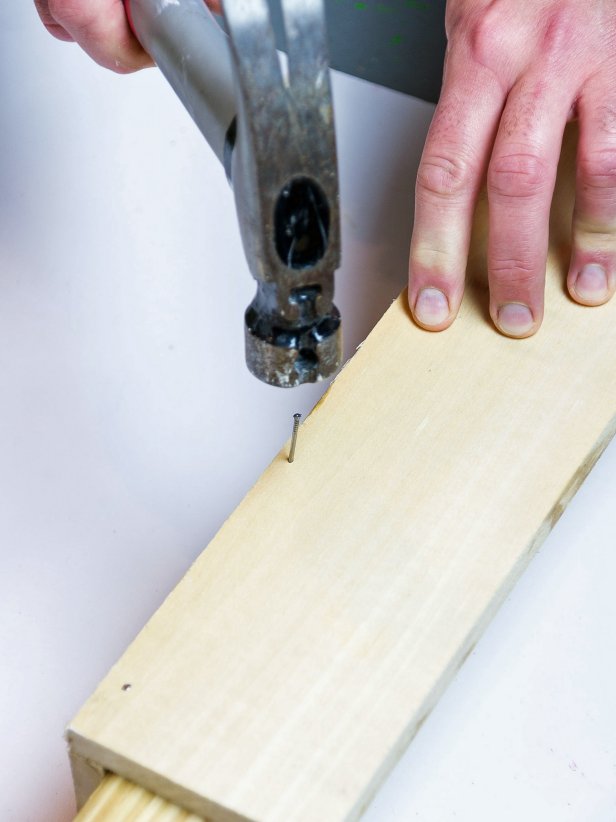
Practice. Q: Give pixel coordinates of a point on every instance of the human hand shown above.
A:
(515, 72)
(101, 28)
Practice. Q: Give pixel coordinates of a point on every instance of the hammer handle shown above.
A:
(192, 51)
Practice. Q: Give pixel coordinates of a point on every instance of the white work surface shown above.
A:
(130, 429)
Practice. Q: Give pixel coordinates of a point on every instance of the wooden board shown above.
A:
(288, 671)
(118, 800)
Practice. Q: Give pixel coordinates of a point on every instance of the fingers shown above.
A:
(101, 29)
(592, 271)
(521, 179)
(448, 181)
(50, 24)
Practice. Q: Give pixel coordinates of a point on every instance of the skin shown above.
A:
(101, 28)
(515, 72)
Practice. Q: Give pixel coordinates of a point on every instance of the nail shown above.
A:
(591, 284)
(296, 419)
(431, 307)
(515, 319)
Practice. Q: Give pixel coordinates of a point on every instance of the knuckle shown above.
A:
(513, 272)
(485, 37)
(430, 257)
(443, 176)
(482, 41)
(519, 175)
(597, 169)
(560, 30)
(593, 236)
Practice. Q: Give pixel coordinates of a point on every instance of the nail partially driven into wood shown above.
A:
(296, 419)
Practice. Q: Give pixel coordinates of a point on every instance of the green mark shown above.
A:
(360, 6)
(396, 40)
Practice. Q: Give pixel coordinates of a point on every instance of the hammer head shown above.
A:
(284, 174)
(293, 332)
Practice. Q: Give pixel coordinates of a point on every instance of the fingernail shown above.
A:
(431, 306)
(591, 283)
(515, 319)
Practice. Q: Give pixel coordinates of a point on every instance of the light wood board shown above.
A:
(118, 800)
(289, 670)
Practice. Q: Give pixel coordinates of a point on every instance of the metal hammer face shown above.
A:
(284, 175)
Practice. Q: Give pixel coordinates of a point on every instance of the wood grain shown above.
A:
(289, 670)
(121, 801)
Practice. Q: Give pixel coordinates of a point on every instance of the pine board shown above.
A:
(289, 670)
(121, 801)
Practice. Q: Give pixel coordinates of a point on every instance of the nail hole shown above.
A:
(127, 686)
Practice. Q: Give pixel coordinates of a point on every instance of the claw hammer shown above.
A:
(272, 127)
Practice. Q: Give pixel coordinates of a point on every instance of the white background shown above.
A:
(130, 428)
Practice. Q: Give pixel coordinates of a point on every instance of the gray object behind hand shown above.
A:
(395, 43)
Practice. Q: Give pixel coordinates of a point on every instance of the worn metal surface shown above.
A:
(285, 179)
(280, 154)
